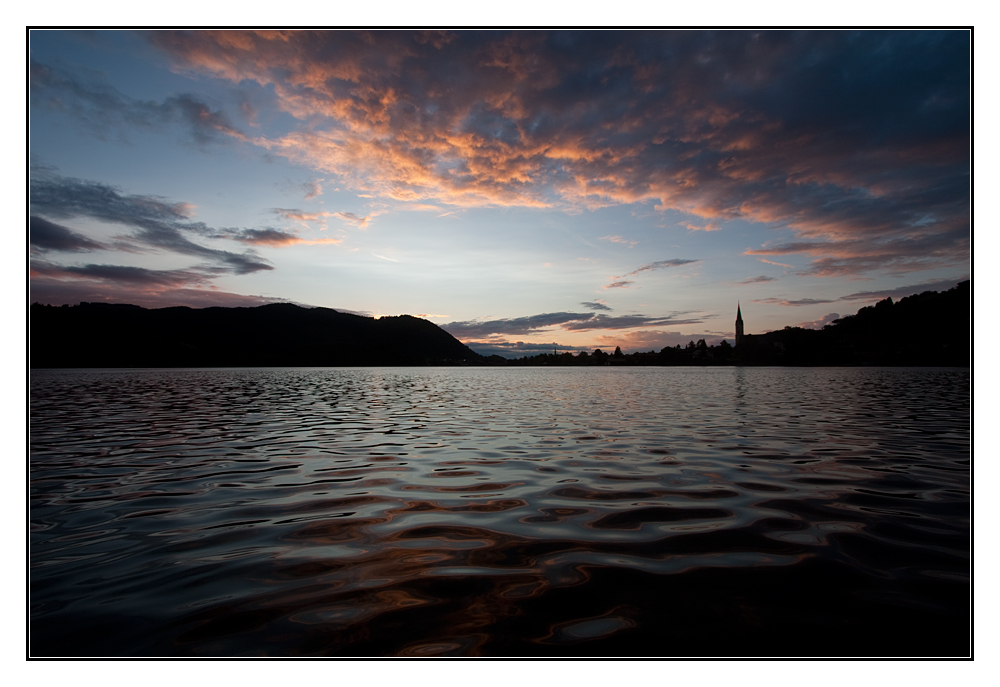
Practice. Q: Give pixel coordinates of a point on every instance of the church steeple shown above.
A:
(739, 324)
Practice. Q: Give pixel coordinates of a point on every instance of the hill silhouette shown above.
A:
(279, 334)
(926, 329)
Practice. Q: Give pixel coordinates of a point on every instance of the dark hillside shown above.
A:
(280, 334)
(927, 329)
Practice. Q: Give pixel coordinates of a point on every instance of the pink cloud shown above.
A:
(711, 226)
(473, 120)
(821, 322)
(645, 340)
(619, 239)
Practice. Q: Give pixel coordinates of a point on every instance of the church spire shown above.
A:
(739, 324)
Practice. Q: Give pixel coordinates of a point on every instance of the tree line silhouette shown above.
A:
(927, 329)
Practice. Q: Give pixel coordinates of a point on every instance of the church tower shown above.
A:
(739, 325)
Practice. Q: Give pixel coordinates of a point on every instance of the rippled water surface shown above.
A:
(484, 511)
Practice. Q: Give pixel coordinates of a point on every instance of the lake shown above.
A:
(692, 512)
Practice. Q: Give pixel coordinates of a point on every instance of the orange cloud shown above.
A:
(771, 262)
(619, 239)
(277, 239)
(716, 128)
(711, 226)
(301, 216)
(320, 242)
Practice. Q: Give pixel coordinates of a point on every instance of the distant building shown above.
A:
(739, 325)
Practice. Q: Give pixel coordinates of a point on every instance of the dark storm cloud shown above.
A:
(855, 140)
(45, 235)
(103, 108)
(157, 223)
(595, 306)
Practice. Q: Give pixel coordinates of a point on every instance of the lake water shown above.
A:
(508, 512)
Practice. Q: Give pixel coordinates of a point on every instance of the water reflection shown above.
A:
(420, 512)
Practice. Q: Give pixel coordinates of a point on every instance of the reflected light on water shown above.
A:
(478, 511)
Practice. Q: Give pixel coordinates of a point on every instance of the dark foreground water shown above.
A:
(563, 512)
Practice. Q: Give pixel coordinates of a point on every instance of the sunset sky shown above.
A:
(524, 190)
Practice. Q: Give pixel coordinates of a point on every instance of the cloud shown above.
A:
(595, 305)
(876, 295)
(70, 284)
(121, 274)
(273, 237)
(646, 340)
(295, 214)
(659, 265)
(619, 239)
(779, 264)
(618, 285)
(102, 108)
(758, 280)
(157, 223)
(58, 292)
(351, 218)
(473, 329)
(711, 226)
(904, 291)
(517, 349)
(265, 237)
(800, 301)
(795, 129)
(600, 321)
(821, 322)
(568, 321)
(313, 188)
(45, 235)
(910, 252)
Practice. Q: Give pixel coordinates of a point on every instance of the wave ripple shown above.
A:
(478, 511)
